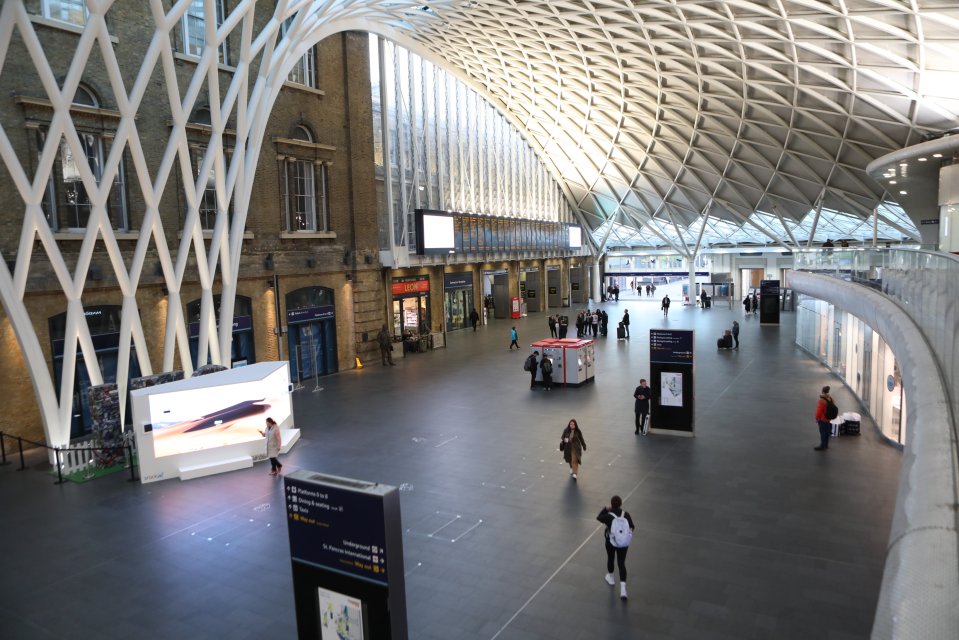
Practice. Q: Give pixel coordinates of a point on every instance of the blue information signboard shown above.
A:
(346, 547)
(671, 381)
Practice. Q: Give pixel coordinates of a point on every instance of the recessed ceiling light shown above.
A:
(902, 193)
(937, 155)
(892, 182)
(922, 159)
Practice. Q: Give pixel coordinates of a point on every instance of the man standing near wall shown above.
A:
(385, 341)
(822, 419)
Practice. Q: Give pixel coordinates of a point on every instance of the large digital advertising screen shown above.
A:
(575, 237)
(211, 417)
(434, 233)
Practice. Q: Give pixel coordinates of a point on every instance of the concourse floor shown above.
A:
(742, 532)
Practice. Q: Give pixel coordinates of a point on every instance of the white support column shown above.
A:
(595, 283)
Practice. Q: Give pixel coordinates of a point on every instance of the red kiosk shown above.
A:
(574, 360)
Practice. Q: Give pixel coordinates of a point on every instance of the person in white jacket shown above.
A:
(272, 435)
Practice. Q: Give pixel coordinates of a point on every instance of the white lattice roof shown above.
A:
(658, 112)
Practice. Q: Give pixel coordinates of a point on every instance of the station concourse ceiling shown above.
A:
(675, 123)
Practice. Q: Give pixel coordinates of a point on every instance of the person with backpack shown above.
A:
(618, 535)
(572, 444)
(826, 410)
(546, 366)
(665, 306)
(514, 337)
(530, 365)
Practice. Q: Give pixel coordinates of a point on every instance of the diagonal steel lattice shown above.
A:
(673, 115)
(263, 62)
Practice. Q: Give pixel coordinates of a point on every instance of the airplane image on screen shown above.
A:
(229, 425)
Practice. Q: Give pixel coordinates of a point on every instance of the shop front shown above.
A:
(411, 305)
(311, 327)
(458, 291)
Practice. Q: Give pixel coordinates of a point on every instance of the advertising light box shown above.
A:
(206, 418)
(575, 237)
(212, 423)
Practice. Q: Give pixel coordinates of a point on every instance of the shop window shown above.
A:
(194, 29)
(67, 204)
(70, 11)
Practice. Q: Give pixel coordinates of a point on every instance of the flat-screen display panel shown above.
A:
(435, 233)
(211, 417)
(575, 237)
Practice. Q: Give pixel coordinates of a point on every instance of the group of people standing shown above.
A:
(591, 323)
(751, 303)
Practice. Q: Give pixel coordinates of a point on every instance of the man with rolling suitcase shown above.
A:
(642, 395)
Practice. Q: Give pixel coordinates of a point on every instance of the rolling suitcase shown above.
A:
(620, 332)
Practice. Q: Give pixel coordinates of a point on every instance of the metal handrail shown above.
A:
(57, 451)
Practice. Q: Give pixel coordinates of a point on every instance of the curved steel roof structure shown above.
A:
(736, 120)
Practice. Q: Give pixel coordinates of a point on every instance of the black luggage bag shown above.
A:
(620, 332)
(850, 428)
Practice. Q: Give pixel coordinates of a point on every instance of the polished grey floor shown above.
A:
(742, 532)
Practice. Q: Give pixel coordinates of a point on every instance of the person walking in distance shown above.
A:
(272, 435)
(665, 306)
(824, 407)
(552, 326)
(385, 340)
(754, 305)
(625, 322)
(546, 366)
(736, 333)
(513, 337)
(531, 365)
(618, 535)
(474, 318)
(642, 395)
(572, 445)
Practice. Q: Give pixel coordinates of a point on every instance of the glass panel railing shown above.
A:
(923, 283)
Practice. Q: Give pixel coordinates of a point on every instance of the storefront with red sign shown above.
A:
(411, 305)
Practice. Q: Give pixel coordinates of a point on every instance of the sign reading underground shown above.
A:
(340, 529)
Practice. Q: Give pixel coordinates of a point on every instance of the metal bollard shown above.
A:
(3, 449)
(22, 463)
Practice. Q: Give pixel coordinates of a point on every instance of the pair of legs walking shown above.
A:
(619, 553)
(275, 466)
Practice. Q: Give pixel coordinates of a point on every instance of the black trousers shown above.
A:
(825, 431)
(640, 417)
(275, 464)
(620, 554)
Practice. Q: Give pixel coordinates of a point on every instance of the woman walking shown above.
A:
(272, 435)
(619, 533)
(572, 445)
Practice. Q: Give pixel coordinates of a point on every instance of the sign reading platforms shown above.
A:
(346, 548)
(671, 380)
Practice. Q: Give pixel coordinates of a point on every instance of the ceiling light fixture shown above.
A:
(902, 193)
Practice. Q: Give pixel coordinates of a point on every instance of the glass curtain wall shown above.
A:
(446, 148)
(858, 355)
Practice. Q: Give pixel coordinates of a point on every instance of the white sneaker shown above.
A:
(622, 590)
(574, 476)
(610, 580)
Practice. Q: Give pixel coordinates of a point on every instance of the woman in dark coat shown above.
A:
(573, 445)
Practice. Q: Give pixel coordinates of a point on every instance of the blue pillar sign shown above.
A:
(346, 548)
(671, 381)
